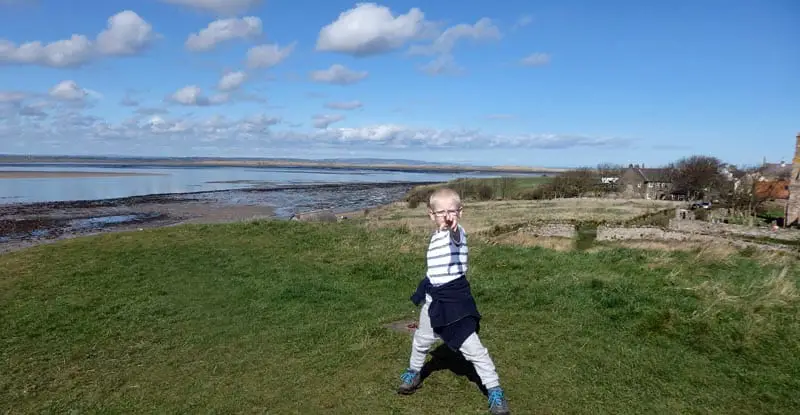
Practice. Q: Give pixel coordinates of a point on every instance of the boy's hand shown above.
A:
(451, 222)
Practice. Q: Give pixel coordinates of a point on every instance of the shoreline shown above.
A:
(24, 225)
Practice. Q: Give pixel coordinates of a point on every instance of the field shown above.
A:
(484, 216)
(287, 317)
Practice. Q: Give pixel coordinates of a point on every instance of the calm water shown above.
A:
(184, 179)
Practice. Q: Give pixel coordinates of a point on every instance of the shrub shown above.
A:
(419, 195)
(537, 193)
(485, 192)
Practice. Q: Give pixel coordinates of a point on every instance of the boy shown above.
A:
(449, 311)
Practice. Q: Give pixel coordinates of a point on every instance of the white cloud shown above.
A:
(442, 47)
(74, 51)
(536, 59)
(217, 6)
(126, 34)
(268, 55)
(224, 30)
(259, 131)
(338, 75)
(344, 105)
(370, 29)
(323, 121)
(483, 29)
(192, 95)
(443, 65)
(231, 81)
(32, 111)
(12, 96)
(68, 91)
(150, 111)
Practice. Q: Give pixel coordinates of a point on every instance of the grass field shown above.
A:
(483, 216)
(285, 317)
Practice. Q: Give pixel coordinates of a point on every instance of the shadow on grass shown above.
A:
(444, 358)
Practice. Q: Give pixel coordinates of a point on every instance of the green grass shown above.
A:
(284, 317)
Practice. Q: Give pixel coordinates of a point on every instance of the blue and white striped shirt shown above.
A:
(447, 256)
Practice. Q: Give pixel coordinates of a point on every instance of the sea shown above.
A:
(186, 179)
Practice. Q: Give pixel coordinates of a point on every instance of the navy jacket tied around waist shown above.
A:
(453, 312)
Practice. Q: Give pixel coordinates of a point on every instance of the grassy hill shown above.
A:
(285, 317)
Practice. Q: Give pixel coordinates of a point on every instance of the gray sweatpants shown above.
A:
(472, 349)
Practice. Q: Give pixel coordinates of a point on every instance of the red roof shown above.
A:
(772, 189)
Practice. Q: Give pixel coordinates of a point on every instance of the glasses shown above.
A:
(443, 213)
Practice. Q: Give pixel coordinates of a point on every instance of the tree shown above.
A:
(574, 183)
(506, 184)
(696, 176)
(747, 194)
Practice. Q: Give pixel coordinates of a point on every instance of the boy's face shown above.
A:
(445, 214)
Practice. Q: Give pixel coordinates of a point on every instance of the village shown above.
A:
(773, 184)
(697, 203)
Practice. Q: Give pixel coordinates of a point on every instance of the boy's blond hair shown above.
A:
(443, 194)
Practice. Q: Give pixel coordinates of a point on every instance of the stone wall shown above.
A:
(560, 230)
(707, 228)
(605, 233)
(609, 233)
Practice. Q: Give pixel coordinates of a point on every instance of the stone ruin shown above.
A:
(684, 214)
(793, 204)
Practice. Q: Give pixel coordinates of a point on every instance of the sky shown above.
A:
(513, 82)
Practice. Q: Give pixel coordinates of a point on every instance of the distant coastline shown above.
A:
(405, 166)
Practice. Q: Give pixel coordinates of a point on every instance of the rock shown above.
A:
(316, 216)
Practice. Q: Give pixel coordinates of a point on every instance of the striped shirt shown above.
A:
(447, 256)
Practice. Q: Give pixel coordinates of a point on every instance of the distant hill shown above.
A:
(385, 161)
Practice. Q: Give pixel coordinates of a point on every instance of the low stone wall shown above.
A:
(561, 230)
(606, 233)
(707, 228)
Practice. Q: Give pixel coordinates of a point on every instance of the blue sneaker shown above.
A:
(410, 380)
(497, 402)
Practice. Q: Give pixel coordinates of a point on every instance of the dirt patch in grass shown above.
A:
(402, 326)
(528, 240)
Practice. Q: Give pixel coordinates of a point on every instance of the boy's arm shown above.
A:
(455, 235)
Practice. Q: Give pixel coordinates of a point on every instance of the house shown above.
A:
(639, 182)
(772, 189)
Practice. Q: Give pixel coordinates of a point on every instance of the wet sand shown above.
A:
(12, 174)
(31, 224)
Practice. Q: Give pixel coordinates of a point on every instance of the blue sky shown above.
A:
(565, 83)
